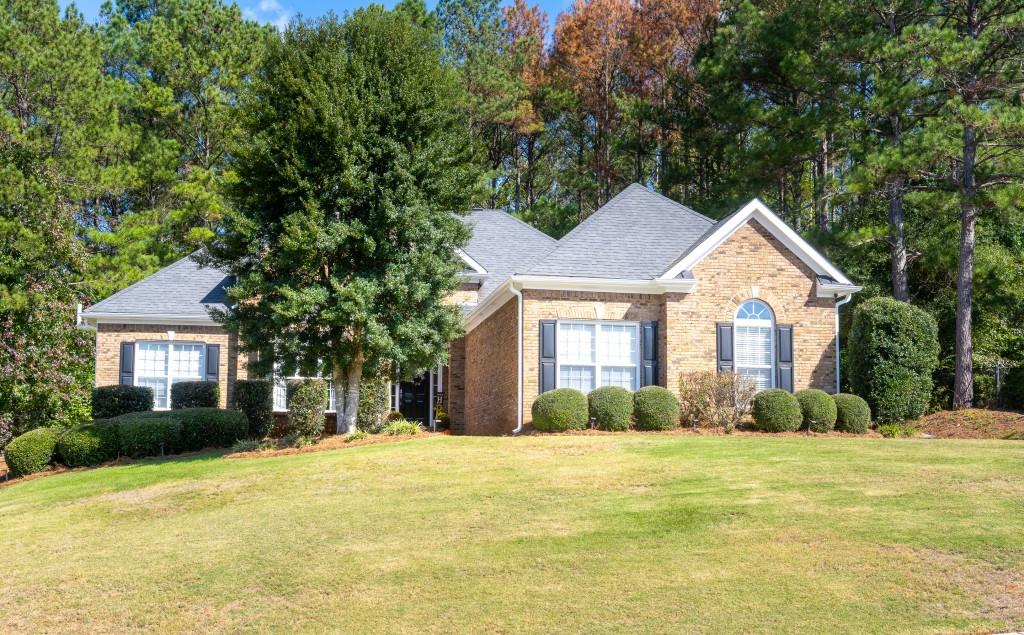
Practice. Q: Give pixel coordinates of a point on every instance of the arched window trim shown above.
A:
(759, 322)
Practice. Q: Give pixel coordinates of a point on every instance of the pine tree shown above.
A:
(342, 237)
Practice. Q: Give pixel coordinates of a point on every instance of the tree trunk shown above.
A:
(895, 189)
(347, 381)
(963, 379)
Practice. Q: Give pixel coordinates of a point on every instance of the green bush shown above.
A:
(89, 444)
(893, 349)
(307, 401)
(401, 428)
(893, 430)
(1013, 388)
(559, 410)
(656, 408)
(149, 433)
(252, 445)
(852, 413)
(210, 427)
(818, 410)
(776, 410)
(358, 435)
(611, 407)
(195, 394)
(295, 440)
(374, 402)
(255, 398)
(31, 452)
(114, 401)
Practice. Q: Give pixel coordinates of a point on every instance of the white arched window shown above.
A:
(755, 350)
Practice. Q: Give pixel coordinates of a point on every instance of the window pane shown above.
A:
(623, 376)
(762, 377)
(579, 377)
(280, 394)
(151, 359)
(576, 343)
(618, 344)
(753, 346)
(186, 360)
(332, 405)
(159, 386)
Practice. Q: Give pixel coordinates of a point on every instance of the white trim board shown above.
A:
(472, 264)
(757, 210)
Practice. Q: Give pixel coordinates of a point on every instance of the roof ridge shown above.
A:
(597, 211)
(526, 225)
(140, 281)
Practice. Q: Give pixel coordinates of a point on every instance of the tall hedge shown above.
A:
(195, 394)
(255, 398)
(117, 400)
(307, 401)
(893, 350)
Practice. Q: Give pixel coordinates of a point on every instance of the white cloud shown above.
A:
(269, 12)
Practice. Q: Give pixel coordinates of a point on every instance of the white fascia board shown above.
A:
(472, 264)
(834, 290)
(494, 301)
(779, 229)
(132, 318)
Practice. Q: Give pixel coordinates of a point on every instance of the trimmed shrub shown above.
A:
(89, 444)
(31, 452)
(255, 398)
(114, 401)
(656, 408)
(559, 410)
(195, 394)
(374, 402)
(852, 413)
(776, 410)
(210, 427)
(149, 434)
(399, 428)
(818, 410)
(307, 401)
(893, 350)
(611, 407)
(1013, 388)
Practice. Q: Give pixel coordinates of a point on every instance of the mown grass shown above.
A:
(618, 533)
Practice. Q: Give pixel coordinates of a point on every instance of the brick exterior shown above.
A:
(110, 336)
(489, 384)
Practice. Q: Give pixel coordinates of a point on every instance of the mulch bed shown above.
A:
(973, 423)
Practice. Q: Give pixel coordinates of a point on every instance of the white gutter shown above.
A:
(147, 318)
(80, 322)
(519, 357)
(839, 303)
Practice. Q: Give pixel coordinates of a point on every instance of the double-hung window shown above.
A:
(159, 365)
(281, 394)
(592, 354)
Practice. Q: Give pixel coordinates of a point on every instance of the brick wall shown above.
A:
(455, 386)
(110, 336)
(489, 386)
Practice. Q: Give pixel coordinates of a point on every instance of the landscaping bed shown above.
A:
(973, 423)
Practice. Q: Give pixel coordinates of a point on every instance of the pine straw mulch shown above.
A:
(334, 442)
(973, 423)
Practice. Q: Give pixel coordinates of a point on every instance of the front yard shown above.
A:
(657, 533)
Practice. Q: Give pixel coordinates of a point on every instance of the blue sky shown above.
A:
(280, 11)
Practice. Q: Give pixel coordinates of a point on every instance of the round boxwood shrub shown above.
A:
(255, 398)
(656, 408)
(307, 401)
(114, 401)
(611, 407)
(31, 452)
(818, 410)
(210, 427)
(560, 410)
(852, 413)
(89, 444)
(893, 350)
(776, 410)
(195, 394)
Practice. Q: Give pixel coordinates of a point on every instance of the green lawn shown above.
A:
(625, 533)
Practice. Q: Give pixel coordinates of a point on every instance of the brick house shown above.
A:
(642, 291)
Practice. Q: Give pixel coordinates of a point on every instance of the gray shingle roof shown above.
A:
(183, 288)
(637, 235)
(503, 245)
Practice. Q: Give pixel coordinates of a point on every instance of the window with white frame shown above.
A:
(281, 394)
(592, 354)
(753, 340)
(160, 365)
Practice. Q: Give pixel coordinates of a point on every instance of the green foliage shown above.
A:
(656, 408)
(818, 410)
(195, 394)
(149, 433)
(560, 410)
(89, 444)
(852, 413)
(896, 430)
(776, 410)
(1013, 388)
(31, 452)
(893, 349)
(294, 439)
(374, 402)
(210, 427)
(358, 435)
(255, 398)
(611, 407)
(113, 401)
(307, 401)
(401, 428)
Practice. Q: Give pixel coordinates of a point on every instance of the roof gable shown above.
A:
(501, 245)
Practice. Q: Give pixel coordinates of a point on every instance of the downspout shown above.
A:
(849, 296)
(519, 357)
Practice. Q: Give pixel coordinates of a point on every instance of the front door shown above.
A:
(415, 400)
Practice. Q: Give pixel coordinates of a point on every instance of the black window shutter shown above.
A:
(127, 363)
(784, 356)
(725, 362)
(548, 338)
(212, 362)
(648, 353)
